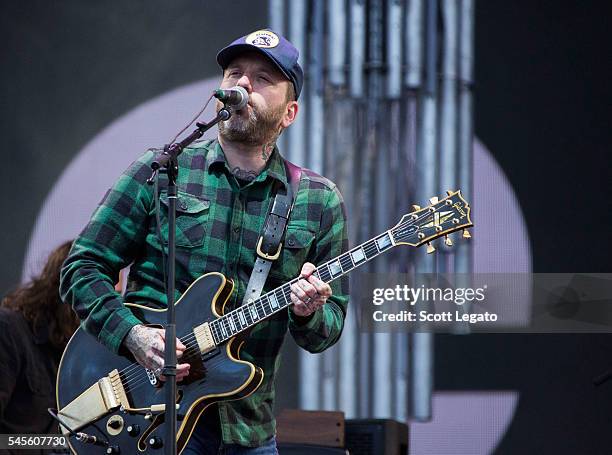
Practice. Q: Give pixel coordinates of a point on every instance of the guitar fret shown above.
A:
(358, 256)
(241, 317)
(261, 313)
(253, 313)
(325, 275)
(273, 301)
(267, 306)
(370, 249)
(236, 321)
(283, 290)
(247, 315)
(383, 242)
(335, 269)
(231, 323)
(345, 262)
(213, 329)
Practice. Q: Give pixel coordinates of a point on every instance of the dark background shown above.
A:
(543, 107)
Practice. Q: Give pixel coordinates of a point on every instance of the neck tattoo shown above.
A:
(266, 150)
(244, 174)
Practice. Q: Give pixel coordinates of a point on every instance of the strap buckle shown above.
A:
(269, 257)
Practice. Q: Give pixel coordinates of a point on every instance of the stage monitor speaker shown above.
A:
(376, 437)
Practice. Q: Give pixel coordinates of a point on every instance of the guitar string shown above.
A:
(132, 385)
(259, 305)
(138, 380)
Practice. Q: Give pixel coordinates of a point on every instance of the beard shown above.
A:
(258, 127)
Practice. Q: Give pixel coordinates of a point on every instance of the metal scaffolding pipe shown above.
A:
(421, 360)
(296, 135)
(315, 112)
(463, 256)
(310, 366)
(276, 15)
(394, 49)
(414, 44)
(448, 113)
(448, 97)
(336, 42)
(276, 18)
(357, 47)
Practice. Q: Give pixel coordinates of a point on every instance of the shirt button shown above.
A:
(236, 229)
(291, 242)
(184, 205)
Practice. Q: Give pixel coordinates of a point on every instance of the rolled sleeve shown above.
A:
(109, 242)
(324, 327)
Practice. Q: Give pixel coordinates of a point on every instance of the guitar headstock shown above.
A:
(438, 219)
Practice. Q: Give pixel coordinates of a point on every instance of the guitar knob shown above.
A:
(156, 442)
(133, 430)
(114, 424)
(113, 450)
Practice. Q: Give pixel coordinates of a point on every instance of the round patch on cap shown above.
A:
(262, 38)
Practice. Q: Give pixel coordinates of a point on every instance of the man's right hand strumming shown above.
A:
(147, 345)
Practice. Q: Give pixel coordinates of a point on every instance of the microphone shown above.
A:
(236, 97)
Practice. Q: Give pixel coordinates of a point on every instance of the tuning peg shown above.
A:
(466, 234)
(416, 207)
(449, 192)
(430, 248)
(448, 241)
(434, 200)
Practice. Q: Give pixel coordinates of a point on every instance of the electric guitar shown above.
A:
(119, 404)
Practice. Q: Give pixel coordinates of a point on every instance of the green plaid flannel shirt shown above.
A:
(218, 224)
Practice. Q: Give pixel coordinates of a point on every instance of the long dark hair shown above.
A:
(40, 304)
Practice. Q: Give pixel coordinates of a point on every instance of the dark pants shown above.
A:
(206, 440)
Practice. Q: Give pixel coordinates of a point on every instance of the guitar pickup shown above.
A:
(204, 338)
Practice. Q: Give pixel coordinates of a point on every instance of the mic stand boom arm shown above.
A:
(167, 162)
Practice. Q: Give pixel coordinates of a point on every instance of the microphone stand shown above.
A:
(166, 162)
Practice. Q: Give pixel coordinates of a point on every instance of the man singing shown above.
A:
(225, 188)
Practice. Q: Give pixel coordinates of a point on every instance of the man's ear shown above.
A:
(290, 114)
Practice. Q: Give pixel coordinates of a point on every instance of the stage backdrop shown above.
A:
(71, 69)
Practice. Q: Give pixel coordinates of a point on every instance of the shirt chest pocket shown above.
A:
(298, 243)
(192, 215)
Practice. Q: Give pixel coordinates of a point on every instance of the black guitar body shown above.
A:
(215, 376)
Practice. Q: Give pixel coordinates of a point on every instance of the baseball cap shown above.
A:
(273, 46)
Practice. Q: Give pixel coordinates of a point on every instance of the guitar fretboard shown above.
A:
(251, 313)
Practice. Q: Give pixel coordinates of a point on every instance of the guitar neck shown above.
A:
(249, 314)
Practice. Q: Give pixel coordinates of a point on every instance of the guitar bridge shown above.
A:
(103, 396)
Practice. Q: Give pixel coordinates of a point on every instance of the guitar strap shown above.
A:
(270, 240)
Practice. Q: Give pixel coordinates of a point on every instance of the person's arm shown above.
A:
(322, 328)
(109, 242)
